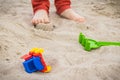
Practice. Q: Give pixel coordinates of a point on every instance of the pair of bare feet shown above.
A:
(41, 16)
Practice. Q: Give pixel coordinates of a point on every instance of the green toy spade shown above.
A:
(90, 44)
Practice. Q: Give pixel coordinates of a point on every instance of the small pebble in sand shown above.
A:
(7, 59)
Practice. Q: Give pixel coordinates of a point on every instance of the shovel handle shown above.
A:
(109, 43)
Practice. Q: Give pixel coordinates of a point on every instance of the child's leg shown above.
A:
(64, 9)
(41, 10)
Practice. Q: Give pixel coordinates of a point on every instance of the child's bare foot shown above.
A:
(70, 14)
(40, 16)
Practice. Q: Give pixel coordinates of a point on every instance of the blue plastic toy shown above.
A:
(34, 61)
(33, 65)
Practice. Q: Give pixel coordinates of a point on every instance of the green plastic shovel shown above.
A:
(90, 44)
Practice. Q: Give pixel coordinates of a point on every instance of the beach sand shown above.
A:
(67, 57)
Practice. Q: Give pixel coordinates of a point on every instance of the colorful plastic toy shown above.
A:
(35, 62)
(90, 44)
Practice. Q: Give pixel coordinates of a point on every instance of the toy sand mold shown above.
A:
(90, 44)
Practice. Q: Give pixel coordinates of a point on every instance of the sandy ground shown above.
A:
(67, 57)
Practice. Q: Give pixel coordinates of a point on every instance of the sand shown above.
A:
(67, 57)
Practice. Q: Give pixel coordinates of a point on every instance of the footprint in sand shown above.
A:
(45, 27)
